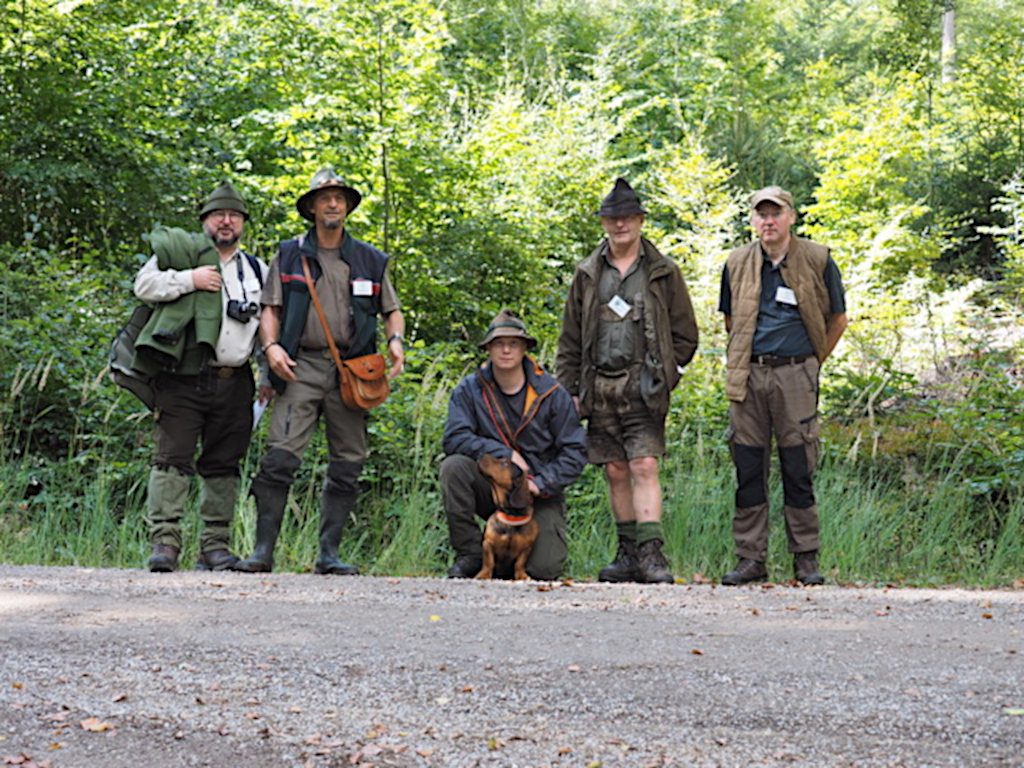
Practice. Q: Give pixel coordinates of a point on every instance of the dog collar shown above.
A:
(510, 519)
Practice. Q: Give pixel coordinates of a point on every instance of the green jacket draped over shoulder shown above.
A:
(181, 335)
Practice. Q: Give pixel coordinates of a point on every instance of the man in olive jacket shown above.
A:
(627, 332)
(785, 310)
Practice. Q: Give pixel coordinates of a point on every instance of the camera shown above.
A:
(242, 311)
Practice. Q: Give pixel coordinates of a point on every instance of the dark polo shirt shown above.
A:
(780, 329)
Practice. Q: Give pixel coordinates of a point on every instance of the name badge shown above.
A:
(619, 306)
(363, 288)
(785, 295)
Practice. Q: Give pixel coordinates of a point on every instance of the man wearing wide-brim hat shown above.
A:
(785, 310)
(350, 281)
(210, 288)
(627, 332)
(510, 408)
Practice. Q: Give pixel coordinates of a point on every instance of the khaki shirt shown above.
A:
(334, 290)
(620, 338)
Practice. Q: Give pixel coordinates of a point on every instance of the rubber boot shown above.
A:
(217, 511)
(335, 509)
(271, 499)
(165, 502)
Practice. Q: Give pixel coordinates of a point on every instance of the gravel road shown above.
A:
(117, 668)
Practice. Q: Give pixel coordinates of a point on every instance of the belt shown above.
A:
(775, 361)
(225, 372)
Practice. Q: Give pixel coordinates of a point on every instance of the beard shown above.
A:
(224, 242)
(330, 223)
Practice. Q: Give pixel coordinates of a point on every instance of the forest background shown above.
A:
(483, 137)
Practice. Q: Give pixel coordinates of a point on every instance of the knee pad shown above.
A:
(278, 467)
(343, 476)
(796, 477)
(749, 461)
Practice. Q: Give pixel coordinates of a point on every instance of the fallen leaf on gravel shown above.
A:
(769, 585)
(986, 615)
(697, 652)
(755, 611)
(223, 730)
(95, 725)
(295, 710)
(1018, 584)
(721, 742)
(495, 743)
(17, 686)
(200, 700)
(882, 613)
(120, 697)
(467, 689)
(700, 578)
(595, 764)
(56, 745)
(56, 717)
(253, 715)
(565, 751)
(573, 667)
(568, 583)
(435, 617)
(543, 587)
(179, 735)
(1015, 711)
(425, 752)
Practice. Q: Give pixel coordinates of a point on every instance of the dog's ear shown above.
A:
(519, 495)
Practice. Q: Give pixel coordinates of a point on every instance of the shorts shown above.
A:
(620, 426)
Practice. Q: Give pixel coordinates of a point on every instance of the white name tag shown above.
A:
(785, 295)
(619, 306)
(362, 288)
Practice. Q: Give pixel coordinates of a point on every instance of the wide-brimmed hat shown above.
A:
(776, 195)
(326, 178)
(621, 201)
(224, 198)
(507, 324)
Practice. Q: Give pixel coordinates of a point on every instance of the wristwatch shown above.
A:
(394, 336)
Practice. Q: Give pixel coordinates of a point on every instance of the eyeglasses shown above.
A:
(227, 214)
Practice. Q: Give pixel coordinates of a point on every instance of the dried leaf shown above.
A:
(565, 751)
(95, 725)
(700, 578)
(986, 615)
(1015, 711)
(425, 752)
(435, 617)
(573, 667)
(697, 652)
(120, 697)
(467, 689)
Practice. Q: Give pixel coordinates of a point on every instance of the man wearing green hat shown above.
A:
(351, 284)
(627, 332)
(206, 395)
(510, 408)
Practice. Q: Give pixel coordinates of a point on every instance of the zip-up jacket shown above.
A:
(549, 436)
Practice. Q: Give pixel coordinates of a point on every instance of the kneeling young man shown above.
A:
(510, 408)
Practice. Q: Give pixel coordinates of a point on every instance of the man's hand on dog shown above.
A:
(520, 462)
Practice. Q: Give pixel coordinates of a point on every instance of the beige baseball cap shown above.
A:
(776, 195)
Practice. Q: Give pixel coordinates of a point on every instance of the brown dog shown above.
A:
(511, 530)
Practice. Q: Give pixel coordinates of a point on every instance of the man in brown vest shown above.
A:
(785, 310)
(627, 332)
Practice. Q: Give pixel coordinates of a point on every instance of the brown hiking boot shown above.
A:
(653, 567)
(164, 558)
(216, 560)
(805, 565)
(625, 566)
(745, 572)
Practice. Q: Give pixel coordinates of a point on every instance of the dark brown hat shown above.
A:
(224, 198)
(326, 178)
(621, 201)
(507, 324)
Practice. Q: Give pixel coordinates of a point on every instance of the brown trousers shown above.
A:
(781, 401)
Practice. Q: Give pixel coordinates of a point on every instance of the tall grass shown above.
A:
(878, 526)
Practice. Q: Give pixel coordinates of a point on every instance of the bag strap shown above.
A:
(320, 313)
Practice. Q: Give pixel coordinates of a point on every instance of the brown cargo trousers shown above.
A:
(782, 400)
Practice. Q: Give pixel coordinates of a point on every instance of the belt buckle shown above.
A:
(225, 373)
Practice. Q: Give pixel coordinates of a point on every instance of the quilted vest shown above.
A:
(804, 272)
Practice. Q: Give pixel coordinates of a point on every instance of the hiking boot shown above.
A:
(625, 566)
(465, 567)
(745, 572)
(164, 558)
(216, 560)
(805, 565)
(653, 567)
